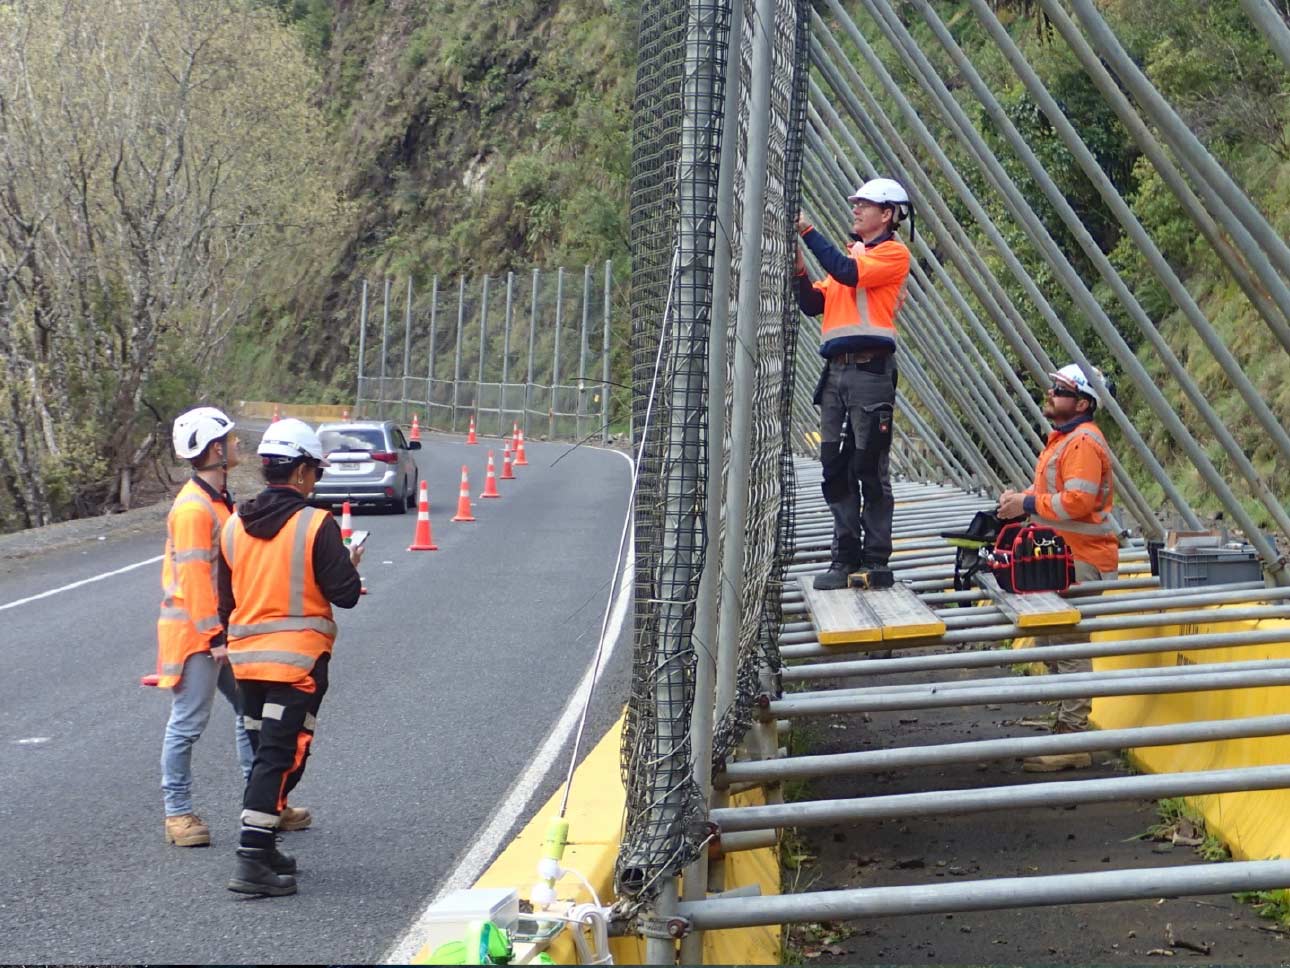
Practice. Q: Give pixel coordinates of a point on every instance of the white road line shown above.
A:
(512, 808)
(78, 584)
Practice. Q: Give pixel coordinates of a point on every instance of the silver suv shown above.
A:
(371, 463)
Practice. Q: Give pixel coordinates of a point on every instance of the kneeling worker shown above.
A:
(1072, 494)
(859, 298)
(283, 567)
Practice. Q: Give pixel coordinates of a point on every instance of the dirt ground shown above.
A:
(933, 850)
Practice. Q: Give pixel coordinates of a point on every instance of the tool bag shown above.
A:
(972, 545)
(1031, 558)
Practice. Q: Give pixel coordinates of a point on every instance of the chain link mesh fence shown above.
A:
(526, 348)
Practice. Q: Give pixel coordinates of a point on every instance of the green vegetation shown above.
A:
(1273, 905)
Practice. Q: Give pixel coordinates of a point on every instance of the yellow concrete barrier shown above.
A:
(595, 828)
(1252, 824)
(310, 413)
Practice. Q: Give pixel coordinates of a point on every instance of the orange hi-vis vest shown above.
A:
(190, 609)
(282, 622)
(868, 308)
(1073, 492)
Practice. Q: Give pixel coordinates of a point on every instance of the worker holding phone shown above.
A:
(283, 565)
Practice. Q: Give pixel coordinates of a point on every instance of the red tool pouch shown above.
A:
(1031, 558)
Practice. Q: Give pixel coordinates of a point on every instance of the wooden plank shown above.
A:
(902, 614)
(840, 617)
(1031, 610)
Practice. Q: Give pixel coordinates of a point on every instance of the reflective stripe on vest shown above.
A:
(170, 609)
(1100, 489)
(295, 620)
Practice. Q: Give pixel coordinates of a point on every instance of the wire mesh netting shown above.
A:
(679, 110)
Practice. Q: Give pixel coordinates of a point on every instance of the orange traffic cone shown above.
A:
(423, 541)
(520, 459)
(507, 473)
(416, 429)
(346, 524)
(490, 479)
(470, 437)
(463, 499)
(277, 414)
(362, 585)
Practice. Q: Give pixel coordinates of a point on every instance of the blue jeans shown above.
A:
(190, 711)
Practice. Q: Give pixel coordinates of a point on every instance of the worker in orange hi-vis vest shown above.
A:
(1072, 493)
(192, 660)
(283, 565)
(860, 299)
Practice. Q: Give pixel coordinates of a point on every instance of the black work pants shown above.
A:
(857, 401)
(280, 721)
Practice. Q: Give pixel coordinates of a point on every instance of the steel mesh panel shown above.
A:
(676, 152)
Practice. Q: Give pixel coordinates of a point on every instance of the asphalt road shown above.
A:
(445, 681)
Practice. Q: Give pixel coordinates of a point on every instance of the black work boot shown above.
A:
(833, 579)
(280, 862)
(255, 873)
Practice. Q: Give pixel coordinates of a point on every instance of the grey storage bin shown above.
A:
(1197, 567)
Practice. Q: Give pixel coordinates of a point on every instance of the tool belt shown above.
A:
(1031, 558)
(865, 356)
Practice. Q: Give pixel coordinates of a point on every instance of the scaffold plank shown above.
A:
(840, 616)
(902, 614)
(1031, 610)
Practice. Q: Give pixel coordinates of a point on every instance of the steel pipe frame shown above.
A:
(1144, 685)
(1179, 136)
(948, 803)
(1113, 279)
(1018, 271)
(975, 273)
(986, 895)
(1270, 23)
(998, 633)
(1124, 213)
(1012, 747)
(1070, 280)
(1269, 283)
(1068, 678)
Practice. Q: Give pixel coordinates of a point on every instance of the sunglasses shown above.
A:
(1058, 391)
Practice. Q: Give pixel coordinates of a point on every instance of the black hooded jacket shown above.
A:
(263, 517)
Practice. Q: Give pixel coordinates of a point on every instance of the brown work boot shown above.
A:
(1056, 762)
(187, 830)
(295, 818)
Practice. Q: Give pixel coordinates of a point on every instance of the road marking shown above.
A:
(512, 808)
(78, 584)
(31, 741)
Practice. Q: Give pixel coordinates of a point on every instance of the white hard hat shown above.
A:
(197, 428)
(884, 191)
(1072, 377)
(290, 440)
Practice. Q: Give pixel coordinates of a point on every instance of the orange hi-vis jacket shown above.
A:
(282, 623)
(1072, 494)
(190, 609)
(869, 307)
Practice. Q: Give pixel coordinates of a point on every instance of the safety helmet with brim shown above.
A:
(289, 440)
(1071, 376)
(194, 430)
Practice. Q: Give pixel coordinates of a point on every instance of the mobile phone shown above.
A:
(357, 538)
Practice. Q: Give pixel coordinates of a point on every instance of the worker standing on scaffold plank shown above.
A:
(859, 298)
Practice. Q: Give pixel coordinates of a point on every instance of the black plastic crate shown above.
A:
(1198, 567)
(1153, 555)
